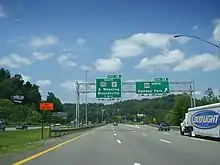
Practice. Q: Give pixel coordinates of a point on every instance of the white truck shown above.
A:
(202, 121)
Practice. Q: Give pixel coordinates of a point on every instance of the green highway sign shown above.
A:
(114, 76)
(152, 87)
(108, 88)
(160, 79)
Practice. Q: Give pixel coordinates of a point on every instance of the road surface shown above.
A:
(131, 145)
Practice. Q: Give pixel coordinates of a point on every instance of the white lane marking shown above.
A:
(165, 141)
(114, 134)
(137, 164)
(198, 139)
(134, 131)
(119, 141)
(165, 133)
(144, 134)
(114, 131)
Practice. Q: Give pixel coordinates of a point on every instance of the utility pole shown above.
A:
(76, 117)
(102, 114)
(86, 106)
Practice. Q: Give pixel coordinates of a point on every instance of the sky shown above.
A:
(52, 43)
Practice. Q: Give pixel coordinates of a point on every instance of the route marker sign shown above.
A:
(152, 87)
(108, 88)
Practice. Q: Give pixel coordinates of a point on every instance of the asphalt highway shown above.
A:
(130, 145)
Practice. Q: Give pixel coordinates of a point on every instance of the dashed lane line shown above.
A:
(165, 141)
(119, 141)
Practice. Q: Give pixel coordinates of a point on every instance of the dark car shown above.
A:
(2, 125)
(115, 124)
(22, 126)
(163, 126)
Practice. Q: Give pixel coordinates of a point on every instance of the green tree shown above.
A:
(209, 97)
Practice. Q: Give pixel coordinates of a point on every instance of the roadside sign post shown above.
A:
(152, 87)
(46, 107)
(108, 87)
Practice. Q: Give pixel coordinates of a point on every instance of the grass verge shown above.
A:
(21, 140)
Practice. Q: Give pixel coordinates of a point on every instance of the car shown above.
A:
(115, 124)
(164, 126)
(2, 125)
(22, 126)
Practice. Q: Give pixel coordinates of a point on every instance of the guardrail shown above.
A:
(57, 132)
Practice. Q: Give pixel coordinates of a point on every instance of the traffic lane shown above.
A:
(97, 148)
(187, 150)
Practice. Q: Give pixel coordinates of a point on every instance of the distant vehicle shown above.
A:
(2, 125)
(22, 126)
(115, 124)
(164, 126)
(202, 121)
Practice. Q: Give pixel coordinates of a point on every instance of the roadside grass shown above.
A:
(20, 140)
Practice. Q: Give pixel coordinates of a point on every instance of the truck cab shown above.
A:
(185, 126)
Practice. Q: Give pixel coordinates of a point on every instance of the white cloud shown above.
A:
(66, 60)
(195, 27)
(69, 85)
(162, 61)
(25, 78)
(80, 41)
(216, 31)
(38, 42)
(108, 65)
(136, 44)
(14, 61)
(17, 20)
(42, 56)
(205, 61)
(43, 82)
(2, 12)
(85, 67)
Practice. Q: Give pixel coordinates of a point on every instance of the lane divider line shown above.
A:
(137, 164)
(119, 141)
(48, 150)
(134, 131)
(165, 141)
(144, 134)
(114, 134)
(165, 133)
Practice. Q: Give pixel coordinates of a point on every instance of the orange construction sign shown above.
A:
(46, 106)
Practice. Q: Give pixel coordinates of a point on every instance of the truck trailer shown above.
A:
(202, 121)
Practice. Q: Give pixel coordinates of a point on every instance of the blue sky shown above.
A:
(52, 42)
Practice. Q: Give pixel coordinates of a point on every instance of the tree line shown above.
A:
(169, 108)
(27, 109)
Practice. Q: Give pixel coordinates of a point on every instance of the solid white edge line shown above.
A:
(198, 139)
(119, 141)
(165, 141)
